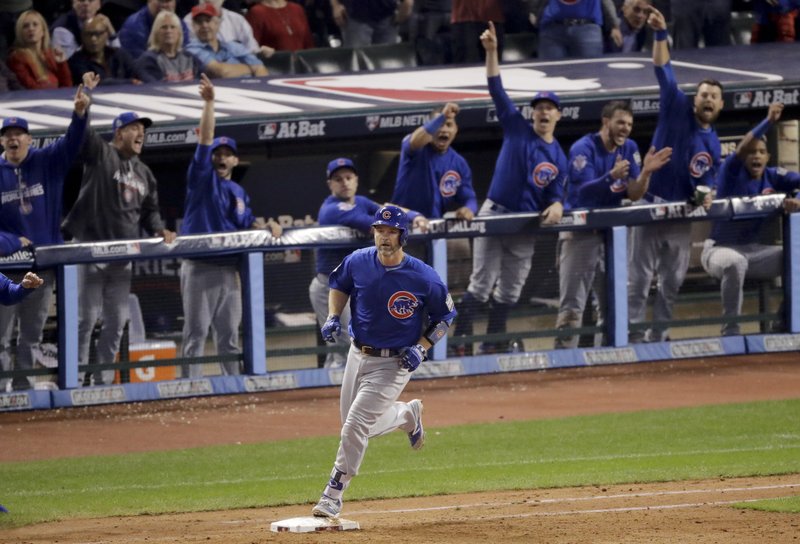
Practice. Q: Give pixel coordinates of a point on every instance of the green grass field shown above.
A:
(736, 440)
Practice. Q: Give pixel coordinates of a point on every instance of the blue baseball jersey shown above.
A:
(389, 305)
(590, 185)
(358, 215)
(530, 174)
(695, 150)
(558, 10)
(32, 193)
(213, 204)
(734, 180)
(433, 183)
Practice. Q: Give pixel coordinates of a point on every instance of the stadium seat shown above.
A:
(383, 57)
(520, 47)
(281, 63)
(326, 60)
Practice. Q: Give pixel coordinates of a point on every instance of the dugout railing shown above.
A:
(252, 246)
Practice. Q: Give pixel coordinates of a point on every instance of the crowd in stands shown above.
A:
(49, 43)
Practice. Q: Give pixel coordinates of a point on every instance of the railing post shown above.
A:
(791, 274)
(616, 322)
(439, 260)
(67, 316)
(252, 270)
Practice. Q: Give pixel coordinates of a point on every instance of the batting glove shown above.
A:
(331, 328)
(412, 356)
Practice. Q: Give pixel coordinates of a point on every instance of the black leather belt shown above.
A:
(575, 22)
(375, 352)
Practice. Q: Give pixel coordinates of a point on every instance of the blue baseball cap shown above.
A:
(125, 119)
(226, 142)
(14, 122)
(336, 164)
(393, 216)
(546, 95)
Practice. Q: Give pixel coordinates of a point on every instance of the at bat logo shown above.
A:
(700, 164)
(449, 184)
(402, 304)
(544, 174)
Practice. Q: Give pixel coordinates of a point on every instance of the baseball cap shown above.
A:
(14, 122)
(226, 142)
(204, 9)
(336, 164)
(125, 119)
(546, 95)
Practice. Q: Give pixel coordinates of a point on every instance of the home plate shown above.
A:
(313, 524)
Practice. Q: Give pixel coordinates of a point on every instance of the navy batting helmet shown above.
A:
(393, 216)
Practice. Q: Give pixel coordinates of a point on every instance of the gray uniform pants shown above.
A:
(318, 292)
(29, 316)
(580, 266)
(500, 264)
(103, 290)
(369, 408)
(732, 265)
(662, 249)
(212, 298)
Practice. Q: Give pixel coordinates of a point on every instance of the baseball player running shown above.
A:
(734, 251)
(391, 295)
(529, 176)
(663, 248)
(604, 168)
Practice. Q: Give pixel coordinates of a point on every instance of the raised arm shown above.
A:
(773, 116)
(207, 121)
(425, 133)
(658, 24)
(489, 42)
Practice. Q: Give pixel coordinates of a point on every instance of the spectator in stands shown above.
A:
(233, 27)
(280, 25)
(165, 58)
(775, 21)
(686, 126)
(114, 66)
(37, 64)
(118, 200)
(8, 79)
(632, 27)
(575, 29)
(136, 30)
(467, 23)
(432, 177)
(529, 176)
(218, 58)
(342, 207)
(692, 21)
(369, 22)
(604, 168)
(734, 252)
(67, 28)
(211, 289)
(10, 10)
(32, 185)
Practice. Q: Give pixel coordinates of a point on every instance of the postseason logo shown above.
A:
(402, 304)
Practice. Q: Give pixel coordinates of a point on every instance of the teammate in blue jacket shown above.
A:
(432, 177)
(529, 176)
(392, 297)
(211, 289)
(32, 187)
(734, 251)
(343, 207)
(685, 125)
(604, 168)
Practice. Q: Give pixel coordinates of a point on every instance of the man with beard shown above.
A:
(686, 127)
(210, 288)
(604, 168)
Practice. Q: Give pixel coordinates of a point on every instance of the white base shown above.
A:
(313, 524)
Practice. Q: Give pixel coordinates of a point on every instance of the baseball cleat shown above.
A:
(327, 507)
(417, 436)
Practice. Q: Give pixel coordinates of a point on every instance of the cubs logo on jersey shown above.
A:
(544, 174)
(402, 304)
(700, 164)
(767, 191)
(449, 183)
(619, 185)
